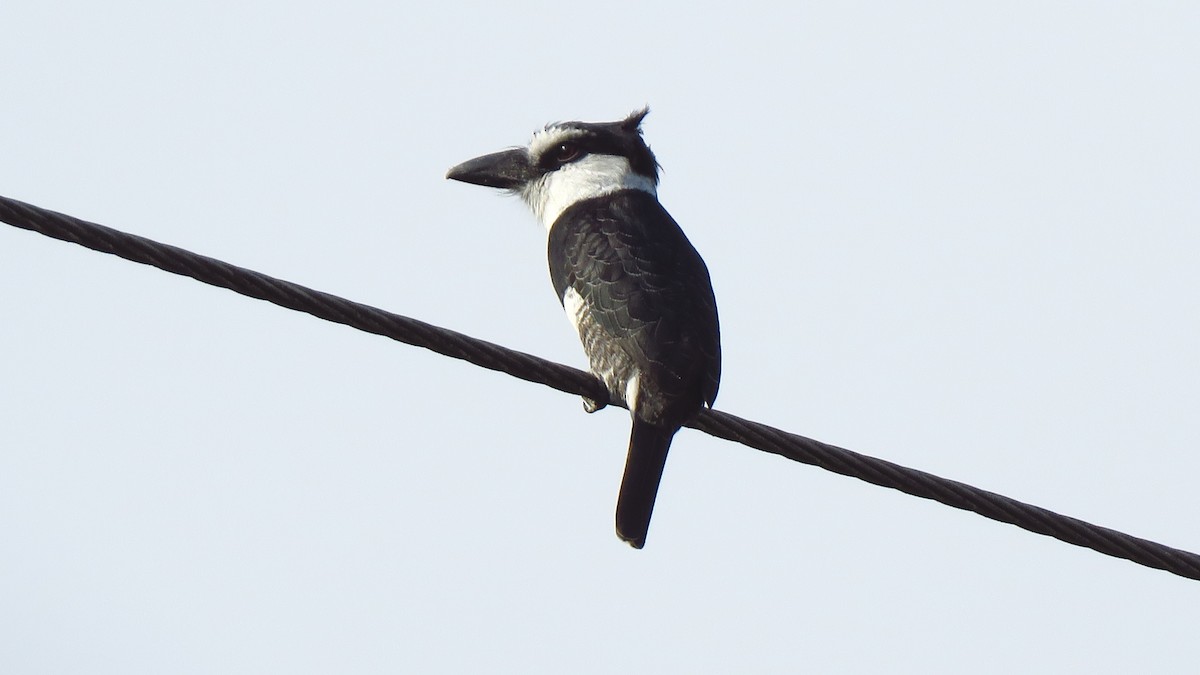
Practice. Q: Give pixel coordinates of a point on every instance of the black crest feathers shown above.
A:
(634, 121)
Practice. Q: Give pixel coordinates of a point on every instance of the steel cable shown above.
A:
(564, 378)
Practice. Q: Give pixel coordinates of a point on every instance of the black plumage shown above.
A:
(631, 282)
(648, 311)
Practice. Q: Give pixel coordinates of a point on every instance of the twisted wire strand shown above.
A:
(570, 380)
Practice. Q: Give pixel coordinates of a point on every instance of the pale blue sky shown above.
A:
(962, 237)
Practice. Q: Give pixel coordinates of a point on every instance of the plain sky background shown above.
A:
(959, 236)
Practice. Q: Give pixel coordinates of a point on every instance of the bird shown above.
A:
(632, 285)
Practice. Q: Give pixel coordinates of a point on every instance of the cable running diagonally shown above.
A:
(573, 381)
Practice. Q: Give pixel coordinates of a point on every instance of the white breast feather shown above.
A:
(573, 303)
(604, 368)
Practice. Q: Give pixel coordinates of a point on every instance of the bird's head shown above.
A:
(568, 162)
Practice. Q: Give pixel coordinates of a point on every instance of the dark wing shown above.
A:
(648, 289)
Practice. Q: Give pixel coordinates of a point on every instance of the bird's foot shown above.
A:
(592, 405)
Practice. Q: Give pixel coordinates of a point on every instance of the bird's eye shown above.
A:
(566, 152)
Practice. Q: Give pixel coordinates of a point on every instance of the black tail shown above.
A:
(648, 447)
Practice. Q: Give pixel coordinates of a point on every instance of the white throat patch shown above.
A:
(592, 176)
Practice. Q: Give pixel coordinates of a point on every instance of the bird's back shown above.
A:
(645, 299)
